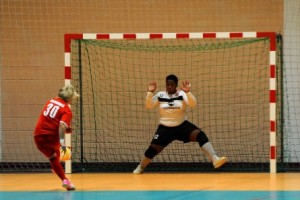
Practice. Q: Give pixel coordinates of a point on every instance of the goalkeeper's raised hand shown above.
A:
(186, 86)
(152, 86)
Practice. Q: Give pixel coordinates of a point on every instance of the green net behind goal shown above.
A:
(230, 80)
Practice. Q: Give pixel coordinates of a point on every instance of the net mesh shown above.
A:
(230, 80)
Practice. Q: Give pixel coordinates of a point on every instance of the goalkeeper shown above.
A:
(173, 122)
(53, 123)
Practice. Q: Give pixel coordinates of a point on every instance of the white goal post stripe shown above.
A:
(192, 35)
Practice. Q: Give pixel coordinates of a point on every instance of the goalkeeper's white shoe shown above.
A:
(138, 170)
(219, 162)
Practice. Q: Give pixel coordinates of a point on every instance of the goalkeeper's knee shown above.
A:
(202, 138)
(151, 152)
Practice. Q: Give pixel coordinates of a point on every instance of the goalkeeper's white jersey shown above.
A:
(172, 107)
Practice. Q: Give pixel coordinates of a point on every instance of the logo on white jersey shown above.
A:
(172, 103)
(155, 137)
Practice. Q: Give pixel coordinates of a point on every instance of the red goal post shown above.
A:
(192, 35)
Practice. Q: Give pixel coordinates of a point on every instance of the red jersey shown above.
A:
(55, 111)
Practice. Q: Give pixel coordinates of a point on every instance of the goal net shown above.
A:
(233, 80)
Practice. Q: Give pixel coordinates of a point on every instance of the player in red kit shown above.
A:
(53, 123)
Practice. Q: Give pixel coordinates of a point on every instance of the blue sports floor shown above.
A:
(151, 195)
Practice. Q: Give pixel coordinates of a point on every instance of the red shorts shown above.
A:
(47, 144)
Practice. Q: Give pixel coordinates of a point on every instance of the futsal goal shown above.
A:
(234, 79)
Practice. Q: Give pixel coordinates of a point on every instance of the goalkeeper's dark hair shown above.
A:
(173, 78)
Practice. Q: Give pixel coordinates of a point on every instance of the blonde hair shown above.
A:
(67, 93)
